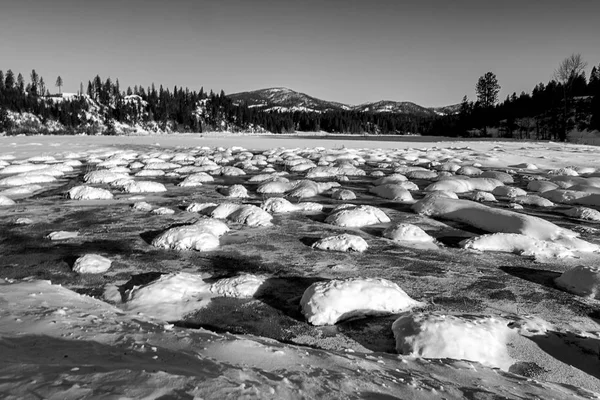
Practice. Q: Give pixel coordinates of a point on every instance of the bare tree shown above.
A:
(569, 69)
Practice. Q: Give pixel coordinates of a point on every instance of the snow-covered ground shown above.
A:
(248, 242)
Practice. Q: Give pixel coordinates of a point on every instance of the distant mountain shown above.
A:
(284, 99)
(396, 107)
(446, 110)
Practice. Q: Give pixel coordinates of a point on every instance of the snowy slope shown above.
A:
(284, 99)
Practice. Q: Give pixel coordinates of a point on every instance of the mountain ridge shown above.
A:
(288, 100)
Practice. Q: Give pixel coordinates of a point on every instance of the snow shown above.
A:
(326, 303)
(142, 206)
(201, 236)
(508, 191)
(242, 213)
(170, 297)
(461, 337)
(392, 191)
(5, 201)
(465, 185)
(83, 192)
(234, 191)
(357, 216)
(583, 213)
(343, 194)
(581, 280)
(62, 235)
(91, 264)
(163, 211)
(404, 232)
(518, 244)
(144, 187)
(241, 286)
(533, 200)
(21, 180)
(281, 205)
(490, 219)
(103, 176)
(345, 242)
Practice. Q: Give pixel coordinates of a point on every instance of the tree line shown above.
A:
(567, 101)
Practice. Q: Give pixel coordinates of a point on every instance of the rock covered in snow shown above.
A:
(508, 191)
(83, 192)
(144, 187)
(91, 264)
(201, 207)
(343, 194)
(234, 191)
(241, 286)
(200, 236)
(533, 200)
(344, 242)
(281, 205)
(326, 303)
(541, 186)
(243, 214)
(403, 232)
(392, 191)
(466, 337)
(5, 201)
(581, 280)
(103, 176)
(163, 211)
(517, 244)
(465, 185)
(356, 216)
(142, 206)
(62, 235)
(480, 196)
(22, 180)
(583, 213)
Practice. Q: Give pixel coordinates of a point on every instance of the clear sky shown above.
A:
(353, 51)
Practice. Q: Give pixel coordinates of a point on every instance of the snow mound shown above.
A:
(234, 191)
(482, 196)
(466, 337)
(83, 192)
(343, 242)
(402, 232)
(5, 201)
(501, 176)
(62, 235)
(275, 187)
(421, 174)
(394, 178)
(91, 264)
(533, 200)
(170, 297)
(163, 211)
(150, 173)
(490, 219)
(24, 221)
(281, 205)
(21, 180)
(241, 286)
(243, 214)
(465, 185)
(308, 188)
(517, 244)
(20, 168)
(343, 194)
(541, 186)
(142, 206)
(201, 236)
(201, 207)
(103, 176)
(196, 179)
(18, 191)
(326, 303)
(356, 216)
(508, 191)
(469, 170)
(392, 191)
(583, 213)
(144, 187)
(581, 280)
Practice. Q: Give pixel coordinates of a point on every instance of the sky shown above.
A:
(428, 52)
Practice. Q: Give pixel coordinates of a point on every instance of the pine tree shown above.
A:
(487, 90)
(35, 82)
(9, 81)
(1, 81)
(59, 83)
(42, 86)
(20, 83)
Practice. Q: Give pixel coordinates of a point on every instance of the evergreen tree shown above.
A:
(59, 83)
(9, 81)
(1, 81)
(42, 85)
(20, 83)
(35, 82)
(487, 90)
